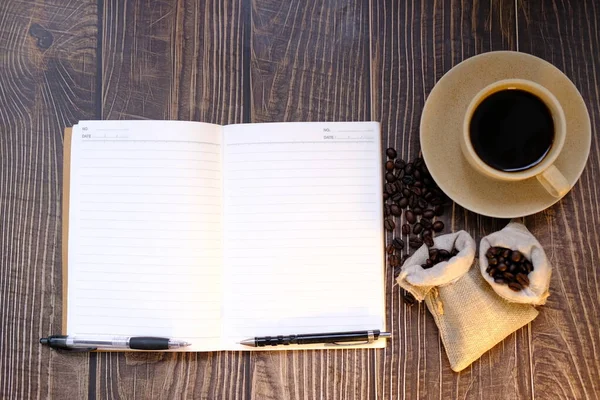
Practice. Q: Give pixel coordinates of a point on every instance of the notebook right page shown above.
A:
(303, 239)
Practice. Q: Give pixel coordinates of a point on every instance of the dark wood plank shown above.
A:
(413, 44)
(566, 335)
(310, 61)
(171, 59)
(48, 66)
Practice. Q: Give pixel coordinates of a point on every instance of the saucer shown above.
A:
(441, 129)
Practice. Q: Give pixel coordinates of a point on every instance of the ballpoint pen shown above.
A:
(88, 343)
(368, 336)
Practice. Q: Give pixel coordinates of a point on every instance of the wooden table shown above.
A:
(227, 61)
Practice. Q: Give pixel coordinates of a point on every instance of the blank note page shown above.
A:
(145, 230)
(303, 229)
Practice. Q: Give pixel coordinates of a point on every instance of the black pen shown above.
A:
(84, 343)
(310, 338)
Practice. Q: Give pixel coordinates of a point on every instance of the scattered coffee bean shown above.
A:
(389, 249)
(395, 210)
(415, 242)
(389, 225)
(418, 228)
(426, 232)
(391, 153)
(397, 197)
(409, 168)
(398, 244)
(428, 213)
(426, 223)
(406, 192)
(422, 203)
(393, 260)
(386, 196)
(390, 188)
(438, 210)
(390, 177)
(410, 217)
(428, 240)
(438, 226)
(405, 229)
(389, 166)
(409, 298)
(403, 203)
(399, 164)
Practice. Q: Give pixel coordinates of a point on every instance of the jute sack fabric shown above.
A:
(471, 317)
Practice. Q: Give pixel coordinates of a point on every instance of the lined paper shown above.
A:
(145, 242)
(302, 229)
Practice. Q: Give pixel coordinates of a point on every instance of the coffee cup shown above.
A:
(514, 130)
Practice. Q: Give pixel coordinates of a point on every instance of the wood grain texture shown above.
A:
(566, 335)
(47, 64)
(310, 61)
(172, 60)
(413, 44)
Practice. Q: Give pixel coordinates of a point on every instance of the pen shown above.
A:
(118, 342)
(308, 338)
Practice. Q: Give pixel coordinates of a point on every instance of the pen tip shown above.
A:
(44, 340)
(248, 342)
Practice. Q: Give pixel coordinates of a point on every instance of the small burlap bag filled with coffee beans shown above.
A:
(471, 317)
(521, 276)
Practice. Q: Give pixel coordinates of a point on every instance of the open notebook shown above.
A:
(215, 234)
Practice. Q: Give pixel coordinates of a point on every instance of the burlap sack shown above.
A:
(419, 281)
(470, 316)
(516, 236)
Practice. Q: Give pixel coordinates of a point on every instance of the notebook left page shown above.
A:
(145, 231)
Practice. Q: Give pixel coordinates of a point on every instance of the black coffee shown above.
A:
(512, 130)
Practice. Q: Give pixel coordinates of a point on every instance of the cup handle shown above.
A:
(554, 182)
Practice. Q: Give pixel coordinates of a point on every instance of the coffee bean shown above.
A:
(502, 267)
(403, 203)
(409, 168)
(400, 174)
(433, 254)
(416, 191)
(418, 184)
(501, 260)
(386, 210)
(513, 268)
(389, 225)
(422, 203)
(428, 196)
(515, 286)
(523, 279)
(438, 226)
(405, 229)
(495, 250)
(389, 166)
(506, 253)
(438, 210)
(410, 217)
(429, 263)
(428, 240)
(489, 253)
(386, 196)
(436, 201)
(493, 261)
(398, 244)
(426, 223)
(391, 153)
(417, 174)
(528, 266)
(426, 232)
(390, 177)
(393, 260)
(389, 249)
(418, 211)
(406, 192)
(399, 163)
(395, 210)
(508, 276)
(516, 256)
(408, 180)
(396, 198)
(493, 272)
(500, 280)
(445, 254)
(412, 202)
(415, 242)
(390, 188)
(418, 228)
(409, 298)
(454, 252)
(428, 213)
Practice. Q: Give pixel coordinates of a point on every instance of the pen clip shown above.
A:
(344, 344)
